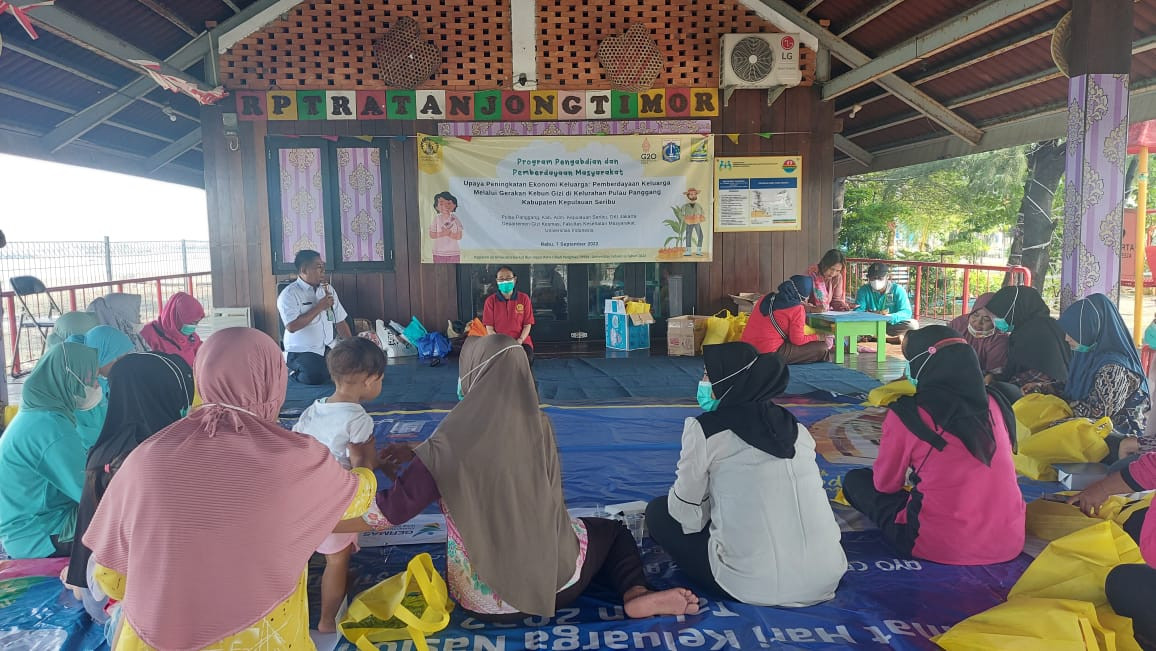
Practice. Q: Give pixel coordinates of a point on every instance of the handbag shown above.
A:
(410, 605)
(414, 331)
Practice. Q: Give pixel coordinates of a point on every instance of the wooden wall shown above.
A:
(239, 214)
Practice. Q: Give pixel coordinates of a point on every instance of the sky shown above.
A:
(46, 201)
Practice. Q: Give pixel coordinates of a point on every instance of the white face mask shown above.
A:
(92, 398)
(878, 285)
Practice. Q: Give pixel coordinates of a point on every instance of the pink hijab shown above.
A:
(214, 518)
(992, 349)
(164, 334)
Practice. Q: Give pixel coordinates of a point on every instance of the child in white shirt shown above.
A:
(357, 366)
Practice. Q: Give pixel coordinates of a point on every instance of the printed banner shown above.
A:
(558, 200)
(759, 194)
(481, 105)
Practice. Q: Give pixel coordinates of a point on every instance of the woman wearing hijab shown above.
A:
(952, 439)
(122, 311)
(748, 517)
(110, 345)
(776, 324)
(150, 392)
(989, 344)
(513, 550)
(42, 455)
(175, 332)
(205, 534)
(1037, 350)
(72, 324)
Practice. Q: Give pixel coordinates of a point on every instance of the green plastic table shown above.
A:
(852, 325)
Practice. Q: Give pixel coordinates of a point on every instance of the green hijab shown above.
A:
(52, 385)
(72, 323)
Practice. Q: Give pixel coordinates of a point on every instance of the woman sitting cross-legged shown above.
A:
(747, 516)
(513, 550)
(776, 324)
(1037, 352)
(952, 440)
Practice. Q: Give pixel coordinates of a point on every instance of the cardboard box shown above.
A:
(745, 302)
(684, 335)
(1078, 476)
(623, 334)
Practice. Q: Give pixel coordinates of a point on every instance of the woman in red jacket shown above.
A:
(776, 324)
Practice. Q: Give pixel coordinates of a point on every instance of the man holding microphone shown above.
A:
(311, 311)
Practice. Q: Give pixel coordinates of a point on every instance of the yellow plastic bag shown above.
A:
(1048, 520)
(888, 393)
(738, 323)
(410, 605)
(1059, 602)
(717, 328)
(1037, 410)
(1078, 440)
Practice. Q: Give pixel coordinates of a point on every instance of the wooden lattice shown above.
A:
(404, 58)
(687, 33)
(329, 45)
(631, 61)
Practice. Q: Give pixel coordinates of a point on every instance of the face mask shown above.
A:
(1001, 325)
(188, 330)
(92, 398)
(979, 334)
(705, 400)
(931, 350)
(1083, 348)
(878, 285)
(505, 286)
(461, 393)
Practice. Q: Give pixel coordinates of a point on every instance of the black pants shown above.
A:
(1131, 591)
(612, 559)
(691, 552)
(529, 353)
(308, 368)
(881, 509)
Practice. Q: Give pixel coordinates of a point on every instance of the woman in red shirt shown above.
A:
(776, 324)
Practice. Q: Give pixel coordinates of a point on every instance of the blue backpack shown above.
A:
(433, 346)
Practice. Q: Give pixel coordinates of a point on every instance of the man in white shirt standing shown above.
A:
(310, 311)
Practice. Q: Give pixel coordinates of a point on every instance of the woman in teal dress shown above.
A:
(110, 345)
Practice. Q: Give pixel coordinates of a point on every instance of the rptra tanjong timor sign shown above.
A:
(637, 198)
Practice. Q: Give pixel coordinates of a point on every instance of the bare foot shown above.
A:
(641, 603)
(327, 625)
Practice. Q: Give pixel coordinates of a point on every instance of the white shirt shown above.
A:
(773, 538)
(297, 299)
(338, 425)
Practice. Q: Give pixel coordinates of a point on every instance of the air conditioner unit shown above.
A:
(224, 317)
(759, 61)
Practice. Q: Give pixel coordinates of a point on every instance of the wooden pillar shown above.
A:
(1099, 62)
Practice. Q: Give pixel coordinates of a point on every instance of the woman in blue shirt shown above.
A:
(881, 296)
(42, 456)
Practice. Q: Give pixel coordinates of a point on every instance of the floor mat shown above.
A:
(585, 379)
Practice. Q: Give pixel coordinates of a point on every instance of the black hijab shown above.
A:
(745, 382)
(1037, 340)
(949, 387)
(147, 393)
(791, 292)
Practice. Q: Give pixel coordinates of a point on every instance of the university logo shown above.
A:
(698, 154)
(671, 151)
(725, 165)
(789, 166)
(519, 308)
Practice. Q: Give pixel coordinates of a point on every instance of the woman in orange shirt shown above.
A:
(776, 324)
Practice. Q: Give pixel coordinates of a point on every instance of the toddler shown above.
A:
(357, 366)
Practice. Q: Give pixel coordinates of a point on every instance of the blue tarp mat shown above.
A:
(585, 380)
(616, 454)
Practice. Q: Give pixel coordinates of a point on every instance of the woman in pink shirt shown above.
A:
(950, 441)
(1131, 589)
(446, 229)
(829, 292)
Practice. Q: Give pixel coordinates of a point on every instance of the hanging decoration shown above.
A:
(632, 60)
(179, 85)
(21, 15)
(405, 59)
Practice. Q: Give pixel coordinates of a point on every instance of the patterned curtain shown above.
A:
(302, 202)
(359, 181)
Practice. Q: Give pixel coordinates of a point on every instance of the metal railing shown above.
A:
(939, 291)
(154, 291)
(60, 264)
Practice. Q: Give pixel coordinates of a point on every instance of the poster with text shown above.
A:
(566, 199)
(758, 193)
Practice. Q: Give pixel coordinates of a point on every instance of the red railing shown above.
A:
(153, 291)
(937, 289)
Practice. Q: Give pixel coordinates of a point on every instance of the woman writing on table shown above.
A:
(829, 291)
(777, 321)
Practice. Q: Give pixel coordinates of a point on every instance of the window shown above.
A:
(333, 196)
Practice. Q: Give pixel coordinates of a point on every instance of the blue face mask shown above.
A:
(505, 286)
(461, 396)
(1084, 348)
(1001, 324)
(705, 398)
(188, 330)
(911, 378)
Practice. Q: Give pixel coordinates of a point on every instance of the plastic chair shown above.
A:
(26, 287)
